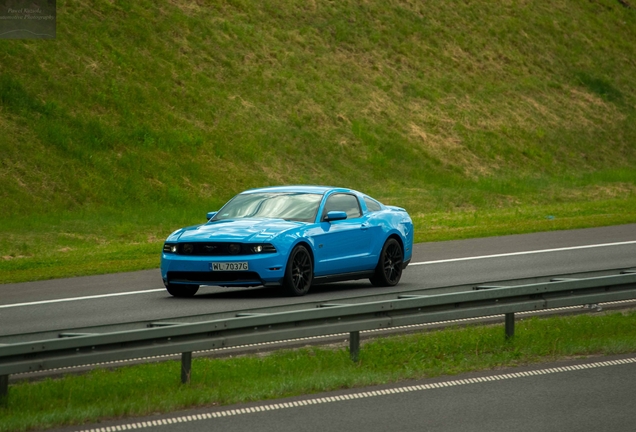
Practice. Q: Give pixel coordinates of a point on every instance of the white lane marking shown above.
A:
(79, 298)
(411, 264)
(525, 253)
(362, 395)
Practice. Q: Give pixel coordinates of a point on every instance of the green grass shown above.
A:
(480, 119)
(154, 388)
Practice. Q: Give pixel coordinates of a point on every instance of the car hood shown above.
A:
(250, 230)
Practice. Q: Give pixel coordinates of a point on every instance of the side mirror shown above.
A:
(335, 216)
(210, 215)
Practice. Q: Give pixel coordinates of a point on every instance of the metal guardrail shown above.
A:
(340, 292)
(173, 338)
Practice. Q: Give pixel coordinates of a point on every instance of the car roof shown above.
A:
(300, 189)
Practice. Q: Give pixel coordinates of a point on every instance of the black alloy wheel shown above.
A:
(389, 269)
(299, 272)
(178, 290)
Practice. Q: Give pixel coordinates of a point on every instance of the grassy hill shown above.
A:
(480, 118)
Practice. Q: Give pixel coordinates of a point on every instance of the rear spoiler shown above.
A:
(396, 208)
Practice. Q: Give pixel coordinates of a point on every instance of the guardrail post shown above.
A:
(4, 389)
(510, 325)
(186, 367)
(354, 345)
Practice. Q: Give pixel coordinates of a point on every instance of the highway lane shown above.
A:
(108, 299)
(595, 394)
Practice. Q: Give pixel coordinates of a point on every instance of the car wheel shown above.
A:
(299, 272)
(178, 290)
(389, 269)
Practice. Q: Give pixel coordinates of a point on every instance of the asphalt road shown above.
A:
(127, 297)
(586, 395)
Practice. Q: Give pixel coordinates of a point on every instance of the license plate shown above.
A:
(229, 266)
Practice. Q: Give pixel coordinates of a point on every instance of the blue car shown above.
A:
(292, 237)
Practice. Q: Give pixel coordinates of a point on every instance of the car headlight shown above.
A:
(170, 248)
(262, 248)
(187, 248)
(234, 248)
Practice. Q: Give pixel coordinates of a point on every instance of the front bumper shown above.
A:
(266, 269)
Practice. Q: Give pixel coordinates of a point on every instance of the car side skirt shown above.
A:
(342, 277)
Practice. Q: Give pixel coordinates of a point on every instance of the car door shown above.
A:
(342, 246)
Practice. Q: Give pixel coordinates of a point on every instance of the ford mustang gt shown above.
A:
(292, 237)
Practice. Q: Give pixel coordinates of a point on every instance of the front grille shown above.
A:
(247, 277)
(219, 248)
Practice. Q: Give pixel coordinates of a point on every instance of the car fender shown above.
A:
(400, 225)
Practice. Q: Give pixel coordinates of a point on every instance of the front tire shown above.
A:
(299, 272)
(389, 269)
(178, 290)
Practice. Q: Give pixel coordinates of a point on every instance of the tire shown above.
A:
(178, 290)
(389, 269)
(299, 272)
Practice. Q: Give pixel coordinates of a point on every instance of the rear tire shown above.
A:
(299, 272)
(178, 290)
(389, 269)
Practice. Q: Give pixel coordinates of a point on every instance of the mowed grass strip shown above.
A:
(156, 388)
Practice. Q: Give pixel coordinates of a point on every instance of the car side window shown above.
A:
(372, 205)
(343, 202)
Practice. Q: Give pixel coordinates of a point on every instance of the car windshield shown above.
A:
(274, 205)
